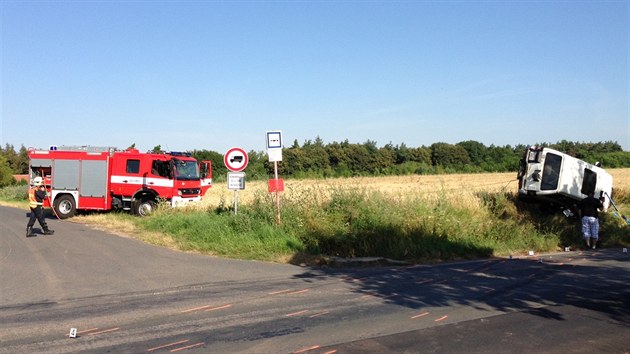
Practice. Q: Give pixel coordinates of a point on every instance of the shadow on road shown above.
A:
(596, 280)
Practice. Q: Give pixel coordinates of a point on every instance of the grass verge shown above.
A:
(322, 222)
(351, 222)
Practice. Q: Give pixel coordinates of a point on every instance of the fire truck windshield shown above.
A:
(186, 170)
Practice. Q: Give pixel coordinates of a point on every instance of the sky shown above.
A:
(212, 75)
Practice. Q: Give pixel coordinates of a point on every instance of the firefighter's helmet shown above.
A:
(38, 181)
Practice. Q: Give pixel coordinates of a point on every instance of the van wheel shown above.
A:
(144, 207)
(65, 207)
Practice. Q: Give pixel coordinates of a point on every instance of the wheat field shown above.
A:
(426, 186)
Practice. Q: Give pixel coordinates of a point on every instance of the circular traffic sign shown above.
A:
(235, 159)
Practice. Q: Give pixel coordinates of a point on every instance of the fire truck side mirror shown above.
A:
(203, 173)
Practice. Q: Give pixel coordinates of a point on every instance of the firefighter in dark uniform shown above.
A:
(36, 196)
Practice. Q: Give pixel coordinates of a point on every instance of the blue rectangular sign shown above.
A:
(274, 140)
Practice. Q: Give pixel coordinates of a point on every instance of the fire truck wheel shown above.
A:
(144, 207)
(65, 206)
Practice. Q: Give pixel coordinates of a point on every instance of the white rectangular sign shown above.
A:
(274, 155)
(274, 139)
(274, 145)
(236, 180)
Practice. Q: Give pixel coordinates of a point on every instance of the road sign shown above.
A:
(235, 159)
(274, 145)
(236, 180)
(275, 185)
(274, 139)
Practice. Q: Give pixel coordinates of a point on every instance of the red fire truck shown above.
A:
(95, 178)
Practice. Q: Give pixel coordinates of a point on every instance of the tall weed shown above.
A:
(356, 222)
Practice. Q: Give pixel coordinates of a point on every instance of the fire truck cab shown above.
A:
(547, 175)
(97, 178)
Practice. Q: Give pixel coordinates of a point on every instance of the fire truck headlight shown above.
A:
(179, 192)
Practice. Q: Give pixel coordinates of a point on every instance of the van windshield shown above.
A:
(186, 170)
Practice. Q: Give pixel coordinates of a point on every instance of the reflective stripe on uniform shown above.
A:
(32, 201)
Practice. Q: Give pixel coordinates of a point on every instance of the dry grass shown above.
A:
(433, 186)
(436, 186)
(621, 178)
(456, 187)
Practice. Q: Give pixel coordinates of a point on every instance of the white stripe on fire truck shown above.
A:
(150, 182)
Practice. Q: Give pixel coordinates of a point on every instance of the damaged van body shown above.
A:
(550, 176)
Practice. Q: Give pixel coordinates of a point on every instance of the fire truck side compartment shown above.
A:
(66, 175)
(93, 178)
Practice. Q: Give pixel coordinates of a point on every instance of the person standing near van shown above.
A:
(590, 218)
(36, 196)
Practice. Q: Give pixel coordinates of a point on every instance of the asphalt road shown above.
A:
(124, 296)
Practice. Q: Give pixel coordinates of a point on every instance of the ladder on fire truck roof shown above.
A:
(86, 148)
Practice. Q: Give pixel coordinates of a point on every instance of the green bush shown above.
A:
(14, 192)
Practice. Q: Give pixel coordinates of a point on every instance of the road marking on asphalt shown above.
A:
(206, 308)
(219, 307)
(168, 345)
(298, 292)
(306, 349)
(281, 292)
(296, 313)
(188, 347)
(420, 315)
(441, 318)
(196, 309)
(319, 314)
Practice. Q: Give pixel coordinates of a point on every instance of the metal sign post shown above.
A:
(236, 182)
(275, 170)
(274, 152)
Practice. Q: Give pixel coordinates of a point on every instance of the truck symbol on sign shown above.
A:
(238, 159)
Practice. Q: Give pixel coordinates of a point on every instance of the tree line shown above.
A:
(316, 159)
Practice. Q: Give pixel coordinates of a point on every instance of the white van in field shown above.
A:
(547, 175)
